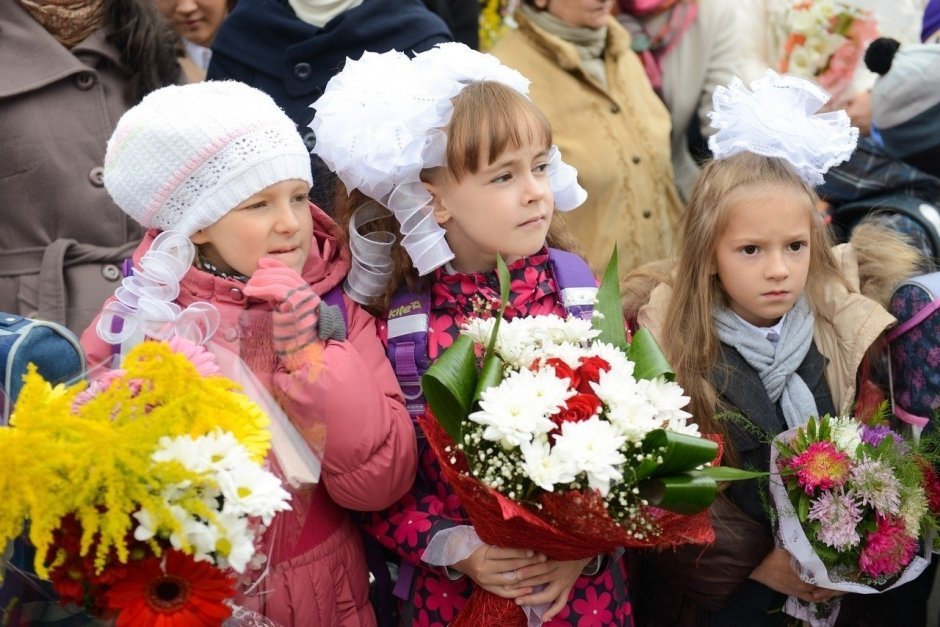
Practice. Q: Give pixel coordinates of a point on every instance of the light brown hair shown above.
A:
(689, 337)
(488, 119)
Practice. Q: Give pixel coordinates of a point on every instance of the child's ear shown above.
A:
(199, 237)
(441, 214)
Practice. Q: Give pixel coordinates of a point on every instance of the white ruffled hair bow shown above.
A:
(379, 123)
(777, 117)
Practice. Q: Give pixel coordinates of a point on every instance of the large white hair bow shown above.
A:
(379, 123)
(777, 117)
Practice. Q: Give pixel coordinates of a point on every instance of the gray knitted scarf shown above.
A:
(776, 363)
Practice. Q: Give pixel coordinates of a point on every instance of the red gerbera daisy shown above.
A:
(171, 591)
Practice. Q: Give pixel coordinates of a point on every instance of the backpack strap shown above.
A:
(576, 283)
(930, 283)
(408, 320)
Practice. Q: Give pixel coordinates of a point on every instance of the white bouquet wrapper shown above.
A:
(297, 462)
(811, 569)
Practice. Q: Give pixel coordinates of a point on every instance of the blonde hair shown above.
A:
(689, 337)
(488, 119)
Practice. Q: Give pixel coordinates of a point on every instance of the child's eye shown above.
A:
(502, 178)
(300, 198)
(797, 246)
(749, 249)
(542, 167)
(255, 205)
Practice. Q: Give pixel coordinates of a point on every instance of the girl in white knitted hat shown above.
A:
(237, 258)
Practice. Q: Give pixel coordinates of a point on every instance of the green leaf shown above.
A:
(503, 273)
(679, 452)
(727, 473)
(649, 359)
(490, 376)
(449, 385)
(802, 508)
(610, 321)
(687, 493)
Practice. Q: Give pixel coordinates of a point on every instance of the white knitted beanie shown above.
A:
(186, 155)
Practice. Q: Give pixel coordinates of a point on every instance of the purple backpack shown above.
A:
(915, 350)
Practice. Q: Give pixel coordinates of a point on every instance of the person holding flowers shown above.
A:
(239, 259)
(448, 144)
(766, 327)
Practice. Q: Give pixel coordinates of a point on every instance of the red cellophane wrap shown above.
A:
(570, 525)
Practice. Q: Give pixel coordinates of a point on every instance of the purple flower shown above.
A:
(876, 434)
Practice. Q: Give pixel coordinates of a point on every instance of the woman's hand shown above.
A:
(558, 579)
(495, 569)
(776, 573)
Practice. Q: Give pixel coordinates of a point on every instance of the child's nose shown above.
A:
(776, 266)
(287, 220)
(534, 189)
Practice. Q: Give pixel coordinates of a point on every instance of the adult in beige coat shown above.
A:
(63, 86)
(693, 63)
(608, 123)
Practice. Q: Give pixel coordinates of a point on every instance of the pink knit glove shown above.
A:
(295, 305)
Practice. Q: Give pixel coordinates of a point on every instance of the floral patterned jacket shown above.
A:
(408, 526)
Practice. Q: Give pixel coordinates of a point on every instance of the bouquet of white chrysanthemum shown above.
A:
(565, 439)
(570, 415)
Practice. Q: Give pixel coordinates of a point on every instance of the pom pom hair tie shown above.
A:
(379, 123)
(777, 117)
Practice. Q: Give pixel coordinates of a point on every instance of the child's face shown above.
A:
(504, 208)
(762, 257)
(275, 223)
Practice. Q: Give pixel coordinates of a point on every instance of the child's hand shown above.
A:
(494, 568)
(273, 281)
(295, 304)
(558, 579)
(776, 573)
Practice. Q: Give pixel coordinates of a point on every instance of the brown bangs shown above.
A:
(490, 118)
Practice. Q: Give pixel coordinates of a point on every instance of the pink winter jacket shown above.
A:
(346, 402)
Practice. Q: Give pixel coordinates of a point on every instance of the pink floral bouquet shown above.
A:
(824, 40)
(855, 508)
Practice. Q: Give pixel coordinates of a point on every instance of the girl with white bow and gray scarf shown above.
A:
(759, 322)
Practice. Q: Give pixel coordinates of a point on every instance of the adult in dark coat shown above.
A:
(66, 79)
(264, 44)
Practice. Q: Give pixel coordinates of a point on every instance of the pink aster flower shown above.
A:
(838, 514)
(877, 486)
(821, 466)
(887, 549)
